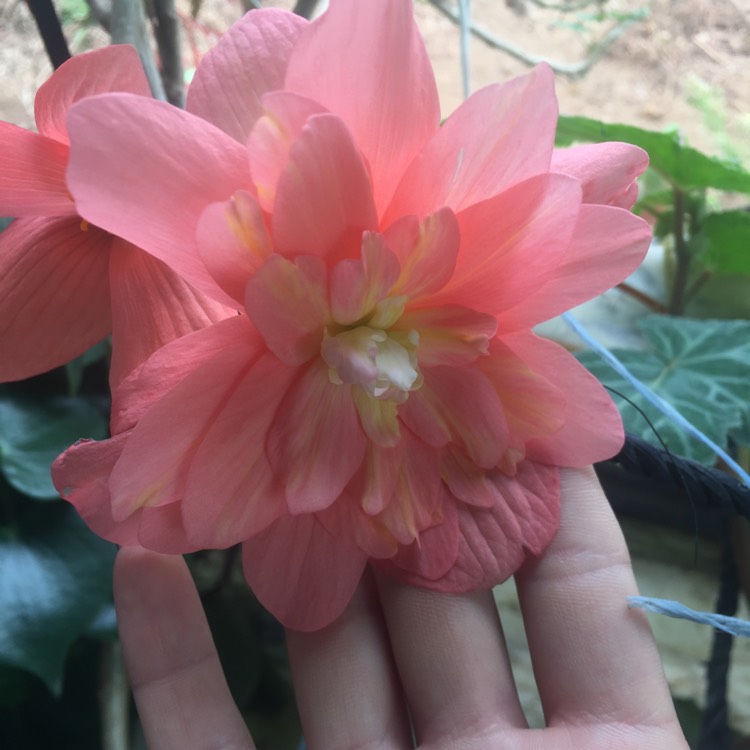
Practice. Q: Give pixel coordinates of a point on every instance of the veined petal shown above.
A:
(316, 443)
(304, 576)
(248, 60)
(367, 63)
(512, 243)
(499, 136)
(287, 301)
(493, 542)
(607, 171)
(358, 285)
(449, 335)
(151, 306)
(379, 418)
(163, 167)
(373, 484)
(166, 367)
(426, 250)
(144, 477)
(231, 493)
(281, 123)
(99, 71)
(607, 245)
(55, 300)
(593, 428)
(324, 195)
(32, 174)
(233, 242)
(345, 519)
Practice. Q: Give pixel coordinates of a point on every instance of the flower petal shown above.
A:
(32, 174)
(316, 442)
(178, 423)
(99, 71)
(151, 306)
(367, 63)
(300, 573)
(163, 167)
(231, 493)
(607, 171)
(608, 244)
(164, 369)
(499, 136)
(54, 302)
(324, 196)
(512, 243)
(494, 542)
(592, 429)
(248, 60)
(287, 301)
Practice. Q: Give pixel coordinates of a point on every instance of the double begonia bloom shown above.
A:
(381, 398)
(64, 283)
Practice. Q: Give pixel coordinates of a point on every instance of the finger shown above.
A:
(592, 656)
(348, 694)
(179, 688)
(452, 659)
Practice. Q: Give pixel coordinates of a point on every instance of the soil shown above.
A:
(684, 64)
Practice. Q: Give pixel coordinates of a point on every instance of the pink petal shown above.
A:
(152, 469)
(324, 196)
(151, 306)
(374, 483)
(233, 242)
(449, 335)
(512, 243)
(607, 171)
(231, 493)
(316, 442)
(247, 61)
(163, 167)
(592, 430)
(433, 555)
(427, 252)
(169, 365)
(608, 244)
(358, 285)
(54, 294)
(493, 543)
(367, 63)
(287, 301)
(463, 402)
(300, 573)
(501, 135)
(100, 71)
(81, 475)
(345, 519)
(284, 117)
(32, 174)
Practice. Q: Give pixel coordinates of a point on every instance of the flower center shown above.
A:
(383, 363)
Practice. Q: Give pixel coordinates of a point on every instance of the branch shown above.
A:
(167, 31)
(129, 27)
(51, 31)
(569, 69)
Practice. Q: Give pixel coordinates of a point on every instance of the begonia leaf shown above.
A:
(55, 576)
(701, 367)
(33, 433)
(727, 237)
(684, 166)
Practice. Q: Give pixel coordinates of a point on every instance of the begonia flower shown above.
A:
(381, 399)
(65, 283)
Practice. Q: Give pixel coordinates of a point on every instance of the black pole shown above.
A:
(51, 31)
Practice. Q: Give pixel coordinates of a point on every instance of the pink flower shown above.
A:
(381, 399)
(64, 283)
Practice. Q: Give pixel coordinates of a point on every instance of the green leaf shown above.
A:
(728, 242)
(685, 167)
(701, 367)
(34, 432)
(55, 576)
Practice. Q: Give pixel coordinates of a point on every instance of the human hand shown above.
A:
(595, 662)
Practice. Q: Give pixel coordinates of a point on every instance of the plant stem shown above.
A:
(682, 256)
(114, 696)
(644, 299)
